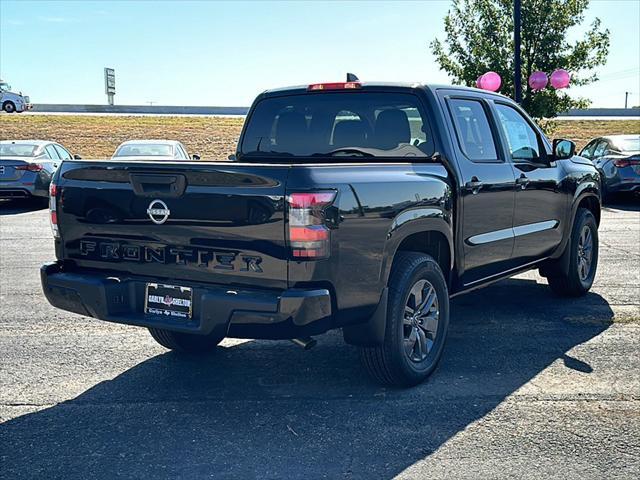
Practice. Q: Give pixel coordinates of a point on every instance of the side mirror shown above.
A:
(77, 157)
(232, 158)
(195, 156)
(563, 149)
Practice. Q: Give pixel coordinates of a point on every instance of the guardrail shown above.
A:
(198, 110)
(144, 109)
(602, 112)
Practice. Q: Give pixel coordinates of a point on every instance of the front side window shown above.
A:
(587, 151)
(354, 124)
(473, 130)
(600, 150)
(181, 153)
(62, 153)
(521, 138)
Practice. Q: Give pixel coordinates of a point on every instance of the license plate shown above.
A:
(168, 300)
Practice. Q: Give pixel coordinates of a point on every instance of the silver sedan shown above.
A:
(26, 167)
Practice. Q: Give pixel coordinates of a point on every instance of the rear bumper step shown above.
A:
(220, 309)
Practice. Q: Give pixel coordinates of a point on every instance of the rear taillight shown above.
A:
(309, 234)
(53, 213)
(626, 162)
(31, 167)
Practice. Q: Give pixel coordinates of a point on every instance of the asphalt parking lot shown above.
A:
(530, 386)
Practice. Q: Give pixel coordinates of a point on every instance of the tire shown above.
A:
(395, 362)
(580, 276)
(185, 342)
(9, 107)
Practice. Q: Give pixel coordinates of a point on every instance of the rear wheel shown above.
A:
(583, 258)
(417, 323)
(9, 107)
(185, 342)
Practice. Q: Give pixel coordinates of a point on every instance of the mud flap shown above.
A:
(371, 333)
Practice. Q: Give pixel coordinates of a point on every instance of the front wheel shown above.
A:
(417, 323)
(185, 342)
(583, 258)
(9, 107)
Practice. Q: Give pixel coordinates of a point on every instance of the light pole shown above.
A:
(517, 73)
(626, 98)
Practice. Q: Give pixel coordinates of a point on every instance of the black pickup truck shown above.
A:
(361, 206)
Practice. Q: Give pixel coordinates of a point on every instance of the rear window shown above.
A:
(145, 150)
(18, 150)
(628, 144)
(353, 124)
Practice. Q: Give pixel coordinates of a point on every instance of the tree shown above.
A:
(479, 38)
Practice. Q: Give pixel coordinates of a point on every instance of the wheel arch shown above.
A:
(591, 202)
(588, 199)
(431, 235)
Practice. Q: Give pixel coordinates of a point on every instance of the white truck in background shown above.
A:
(11, 101)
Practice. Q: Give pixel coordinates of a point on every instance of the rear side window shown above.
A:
(51, 152)
(353, 124)
(473, 130)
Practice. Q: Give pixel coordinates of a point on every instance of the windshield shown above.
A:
(5, 87)
(18, 150)
(353, 124)
(631, 144)
(144, 150)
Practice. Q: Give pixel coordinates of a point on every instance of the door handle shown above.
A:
(523, 181)
(474, 185)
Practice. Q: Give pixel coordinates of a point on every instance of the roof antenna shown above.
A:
(352, 78)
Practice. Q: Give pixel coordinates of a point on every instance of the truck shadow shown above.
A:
(271, 410)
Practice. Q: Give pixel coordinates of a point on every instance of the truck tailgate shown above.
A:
(206, 222)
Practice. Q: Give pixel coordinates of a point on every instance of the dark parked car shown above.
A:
(617, 158)
(359, 206)
(27, 166)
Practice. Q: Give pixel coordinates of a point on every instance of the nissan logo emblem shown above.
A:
(158, 212)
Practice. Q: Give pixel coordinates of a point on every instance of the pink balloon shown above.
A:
(538, 80)
(478, 82)
(560, 79)
(490, 81)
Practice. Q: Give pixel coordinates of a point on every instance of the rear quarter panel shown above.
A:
(379, 205)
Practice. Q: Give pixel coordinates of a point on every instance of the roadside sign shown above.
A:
(110, 83)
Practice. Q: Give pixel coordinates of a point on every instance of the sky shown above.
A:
(225, 53)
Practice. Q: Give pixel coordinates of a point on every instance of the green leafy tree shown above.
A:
(479, 38)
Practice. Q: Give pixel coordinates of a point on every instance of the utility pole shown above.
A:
(517, 74)
(626, 97)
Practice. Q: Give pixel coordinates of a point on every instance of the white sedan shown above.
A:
(155, 149)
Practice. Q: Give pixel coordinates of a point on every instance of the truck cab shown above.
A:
(12, 102)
